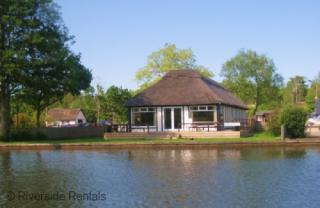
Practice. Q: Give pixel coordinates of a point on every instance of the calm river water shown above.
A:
(206, 177)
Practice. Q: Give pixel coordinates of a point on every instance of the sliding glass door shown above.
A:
(172, 118)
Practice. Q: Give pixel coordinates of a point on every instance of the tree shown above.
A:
(294, 118)
(49, 82)
(295, 91)
(116, 98)
(166, 59)
(99, 104)
(313, 93)
(19, 27)
(27, 29)
(253, 78)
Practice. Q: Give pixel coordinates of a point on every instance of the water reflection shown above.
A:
(206, 177)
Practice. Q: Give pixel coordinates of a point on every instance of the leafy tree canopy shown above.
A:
(253, 78)
(166, 59)
(295, 91)
(34, 56)
(313, 93)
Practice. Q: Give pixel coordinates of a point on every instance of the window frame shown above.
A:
(140, 110)
(203, 108)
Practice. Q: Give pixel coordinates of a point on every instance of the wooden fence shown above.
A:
(64, 132)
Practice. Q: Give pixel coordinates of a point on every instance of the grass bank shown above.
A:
(259, 137)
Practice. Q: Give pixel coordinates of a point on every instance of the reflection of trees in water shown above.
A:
(182, 176)
(291, 152)
(177, 174)
(31, 172)
(267, 153)
(264, 170)
(5, 173)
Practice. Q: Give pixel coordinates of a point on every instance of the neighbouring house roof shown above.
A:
(185, 87)
(62, 114)
(266, 112)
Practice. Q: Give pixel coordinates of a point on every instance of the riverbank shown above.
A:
(100, 143)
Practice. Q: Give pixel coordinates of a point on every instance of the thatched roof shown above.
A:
(62, 114)
(185, 87)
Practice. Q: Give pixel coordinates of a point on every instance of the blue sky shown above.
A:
(115, 37)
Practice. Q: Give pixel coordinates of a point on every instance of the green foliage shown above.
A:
(49, 83)
(99, 104)
(295, 91)
(36, 63)
(294, 119)
(313, 93)
(117, 98)
(274, 124)
(253, 78)
(166, 59)
(21, 114)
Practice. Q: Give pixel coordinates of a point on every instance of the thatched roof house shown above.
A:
(182, 98)
(65, 117)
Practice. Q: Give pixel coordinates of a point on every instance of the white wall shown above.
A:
(82, 117)
(159, 118)
(230, 115)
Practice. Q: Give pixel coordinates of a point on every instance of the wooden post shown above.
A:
(219, 117)
(283, 132)
(129, 120)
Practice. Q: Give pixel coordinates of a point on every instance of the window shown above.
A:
(143, 109)
(203, 108)
(202, 113)
(143, 116)
(203, 116)
(194, 108)
(143, 119)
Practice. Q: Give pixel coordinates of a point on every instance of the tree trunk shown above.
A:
(257, 101)
(4, 113)
(38, 114)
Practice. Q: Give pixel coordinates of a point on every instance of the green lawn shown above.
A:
(259, 137)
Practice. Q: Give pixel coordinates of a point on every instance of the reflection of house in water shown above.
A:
(190, 160)
(231, 154)
(176, 170)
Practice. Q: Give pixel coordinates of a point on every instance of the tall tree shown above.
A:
(313, 94)
(27, 29)
(49, 82)
(166, 59)
(253, 78)
(295, 91)
(19, 26)
(116, 98)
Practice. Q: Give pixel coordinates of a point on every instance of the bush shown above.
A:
(294, 119)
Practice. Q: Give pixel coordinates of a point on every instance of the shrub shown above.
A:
(294, 119)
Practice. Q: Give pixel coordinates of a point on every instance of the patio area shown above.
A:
(178, 134)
